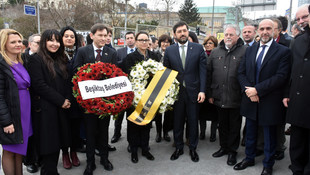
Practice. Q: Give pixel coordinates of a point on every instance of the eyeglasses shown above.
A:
(303, 18)
(143, 40)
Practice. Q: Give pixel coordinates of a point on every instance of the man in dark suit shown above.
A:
(248, 35)
(189, 60)
(263, 74)
(90, 54)
(121, 54)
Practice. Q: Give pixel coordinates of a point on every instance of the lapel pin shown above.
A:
(234, 57)
(105, 53)
(191, 48)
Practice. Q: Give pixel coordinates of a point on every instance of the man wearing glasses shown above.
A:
(302, 16)
(34, 41)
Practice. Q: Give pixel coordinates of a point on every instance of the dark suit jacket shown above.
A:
(86, 55)
(121, 54)
(273, 76)
(284, 41)
(195, 73)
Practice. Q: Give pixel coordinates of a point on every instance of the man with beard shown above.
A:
(189, 60)
(223, 90)
(263, 73)
(248, 34)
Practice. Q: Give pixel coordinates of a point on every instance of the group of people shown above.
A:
(264, 81)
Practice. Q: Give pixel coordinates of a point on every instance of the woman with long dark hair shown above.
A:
(70, 124)
(48, 72)
(15, 120)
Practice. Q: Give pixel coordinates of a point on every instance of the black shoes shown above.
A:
(176, 154)
(220, 153)
(106, 164)
(267, 171)
(115, 138)
(158, 137)
(279, 155)
(194, 155)
(232, 160)
(244, 164)
(213, 137)
(167, 137)
(111, 148)
(134, 157)
(33, 168)
(89, 169)
(148, 155)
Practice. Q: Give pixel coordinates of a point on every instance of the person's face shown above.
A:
(248, 33)
(99, 38)
(109, 38)
(13, 45)
(230, 37)
(265, 31)
(34, 45)
(181, 34)
(52, 45)
(164, 45)
(190, 39)
(130, 40)
(155, 45)
(142, 42)
(68, 39)
(276, 31)
(209, 46)
(302, 17)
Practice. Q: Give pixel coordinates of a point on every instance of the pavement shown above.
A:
(162, 165)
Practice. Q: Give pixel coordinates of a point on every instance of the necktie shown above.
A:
(131, 50)
(259, 62)
(98, 57)
(183, 57)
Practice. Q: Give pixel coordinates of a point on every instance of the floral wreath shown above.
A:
(102, 106)
(140, 76)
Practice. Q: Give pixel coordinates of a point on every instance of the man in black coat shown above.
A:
(90, 54)
(263, 74)
(121, 54)
(297, 101)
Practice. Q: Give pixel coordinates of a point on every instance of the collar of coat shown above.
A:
(239, 43)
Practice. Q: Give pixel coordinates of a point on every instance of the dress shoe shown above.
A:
(148, 155)
(106, 164)
(134, 157)
(244, 164)
(259, 152)
(74, 158)
(111, 148)
(158, 137)
(202, 136)
(129, 149)
(279, 155)
(32, 168)
(66, 161)
(220, 153)
(176, 154)
(213, 138)
(194, 155)
(288, 131)
(267, 171)
(232, 160)
(115, 138)
(167, 137)
(89, 169)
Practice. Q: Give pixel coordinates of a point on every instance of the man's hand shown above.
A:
(211, 100)
(285, 101)
(250, 91)
(254, 98)
(201, 97)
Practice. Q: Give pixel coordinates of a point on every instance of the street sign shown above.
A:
(29, 10)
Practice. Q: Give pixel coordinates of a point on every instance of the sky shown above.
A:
(282, 5)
